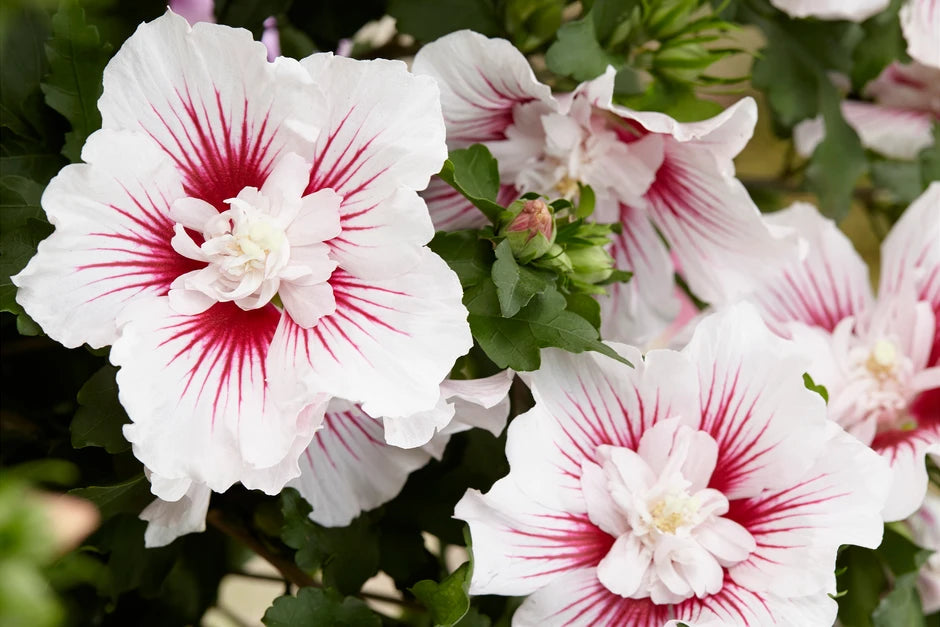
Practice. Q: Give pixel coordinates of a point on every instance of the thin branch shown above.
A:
(291, 573)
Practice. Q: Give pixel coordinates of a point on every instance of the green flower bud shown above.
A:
(555, 259)
(591, 264)
(532, 230)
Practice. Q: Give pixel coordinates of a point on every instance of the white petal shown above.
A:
(711, 223)
(854, 10)
(768, 426)
(168, 520)
(450, 211)
(349, 469)
(520, 545)
(382, 139)
(210, 98)
(906, 451)
(481, 80)
(641, 309)
(920, 21)
(111, 246)
(418, 429)
(585, 401)
(317, 220)
(388, 345)
(623, 569)
(481, 403)
(799, 529)
(911, 255)
(195, 390)
(821, 287)
(603, 510)
(192, 213)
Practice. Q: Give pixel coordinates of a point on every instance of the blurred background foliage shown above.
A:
(63, 562)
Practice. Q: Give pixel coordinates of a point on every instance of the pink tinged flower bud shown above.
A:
(532, 231)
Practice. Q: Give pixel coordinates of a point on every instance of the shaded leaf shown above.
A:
(427, 20)
(73, 85)
(474, 173)
(578, 53)
(466, 254)
(448, 601)
(314, 606)
(515, 284)
(130, 496)
(100, 417)
(901, 606)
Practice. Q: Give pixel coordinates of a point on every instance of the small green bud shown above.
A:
(555, 259)
(591, 264)
(531, 232)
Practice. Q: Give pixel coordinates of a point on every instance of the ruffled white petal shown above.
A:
(481, 403)
(768, 426)
(825, 280)
(911, 255)
(711, 223)
(382, 138)
(348, 468)
(641, 309)
(168, 520)
(212, 101)
(854, 10)
(891, 131)
(585, 401)
(195, 390)
(799, 529)
(356, 353)
(111, 246)
(920, 22)
(481, 80)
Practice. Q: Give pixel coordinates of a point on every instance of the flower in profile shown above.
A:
(878, 359)
(249, 239)
(703, 485)
(896, 123)
(647, 171)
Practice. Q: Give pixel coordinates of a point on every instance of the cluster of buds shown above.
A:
(532, 229)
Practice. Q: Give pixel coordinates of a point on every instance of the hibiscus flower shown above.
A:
(648, 172)
(879, 359)
(703, 485)
(249, 239)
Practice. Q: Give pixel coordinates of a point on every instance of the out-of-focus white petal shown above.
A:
(481, 81)
(711, 223)
(911, 254)
(825, 280)
(893, 132)
(356, 353)
(168, 520)
(920, 22)
(854, 10)
(641, 309)
(111, 246)
(925, 527)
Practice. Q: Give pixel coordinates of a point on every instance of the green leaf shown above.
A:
(839, 159)
(860, 580)
(129, 496)
(249, 14)
(348, 555)
(515, 284)
(900, 180)
(429, 19)
(73, 85)
(515, 342)
(586, 201)
(815, 387)
(100, 417)
(466, 254)
(901, 606)
(577, 52)
(314, 606)
(585, 306)
(474, 173)
(448, 601)
(22, 227)
(900, 553)
(883, 43)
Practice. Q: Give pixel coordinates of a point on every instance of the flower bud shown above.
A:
(591, 264)
(531, 231)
